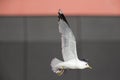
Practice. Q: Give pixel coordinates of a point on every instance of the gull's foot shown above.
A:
(60, 71)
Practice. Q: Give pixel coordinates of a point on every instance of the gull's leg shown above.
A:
(61, 71)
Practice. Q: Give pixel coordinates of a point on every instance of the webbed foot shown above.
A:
(60, 71)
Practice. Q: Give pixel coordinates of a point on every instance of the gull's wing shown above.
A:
(67, 37)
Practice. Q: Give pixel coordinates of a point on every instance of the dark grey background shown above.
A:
(28, 44)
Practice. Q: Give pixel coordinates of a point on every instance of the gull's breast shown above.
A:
(71, 64)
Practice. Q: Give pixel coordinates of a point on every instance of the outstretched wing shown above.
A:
(67, 37)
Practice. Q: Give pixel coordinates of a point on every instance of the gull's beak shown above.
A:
(90, 67)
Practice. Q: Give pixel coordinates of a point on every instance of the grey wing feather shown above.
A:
(68, 41)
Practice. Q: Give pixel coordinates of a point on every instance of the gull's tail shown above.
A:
(54, 62)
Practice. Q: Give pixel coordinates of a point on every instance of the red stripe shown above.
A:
(69, 7)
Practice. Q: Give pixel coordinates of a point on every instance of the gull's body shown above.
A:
(69, 51)
(71, 64)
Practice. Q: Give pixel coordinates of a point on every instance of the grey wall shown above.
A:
(27, 45)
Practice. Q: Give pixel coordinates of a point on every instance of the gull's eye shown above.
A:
(86, 64)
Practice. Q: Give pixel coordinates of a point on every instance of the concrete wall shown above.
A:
(27, 45)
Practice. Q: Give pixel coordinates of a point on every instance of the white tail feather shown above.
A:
(54, 62)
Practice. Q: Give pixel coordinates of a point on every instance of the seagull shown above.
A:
(69, 52)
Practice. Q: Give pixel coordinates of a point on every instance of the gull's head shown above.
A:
(84, 64)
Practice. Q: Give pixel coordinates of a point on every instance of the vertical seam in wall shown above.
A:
(78, 22)
(25, 49)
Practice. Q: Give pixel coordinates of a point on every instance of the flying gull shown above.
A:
(69, 51)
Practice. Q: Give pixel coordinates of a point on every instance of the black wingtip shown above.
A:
(60, 11)
(86, 60)
(61, 16)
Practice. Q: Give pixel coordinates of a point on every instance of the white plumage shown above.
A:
(69, 51)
